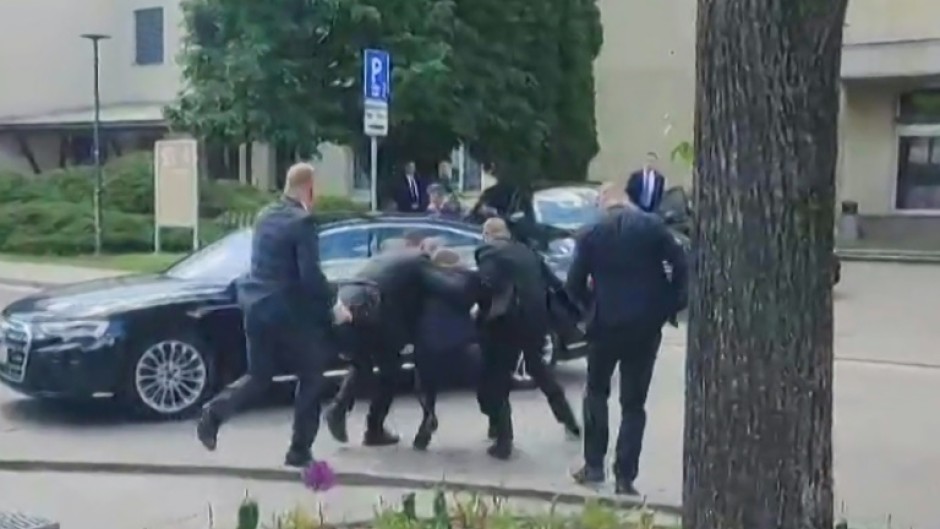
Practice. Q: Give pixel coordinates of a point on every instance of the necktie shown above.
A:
(649, 183)
(413, 188)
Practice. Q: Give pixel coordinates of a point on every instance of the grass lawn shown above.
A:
(132, 262)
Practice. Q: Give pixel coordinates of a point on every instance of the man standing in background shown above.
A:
(410, 193)
(646, 186)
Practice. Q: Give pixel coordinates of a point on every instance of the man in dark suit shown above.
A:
(446, 333)
(398, 280)
(288, 308)
(619, 272)
(646, 186)
(514, 316)
(410, 194)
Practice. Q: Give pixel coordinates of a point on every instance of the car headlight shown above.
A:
(71, 330)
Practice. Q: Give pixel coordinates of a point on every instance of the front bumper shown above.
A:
(68, 373)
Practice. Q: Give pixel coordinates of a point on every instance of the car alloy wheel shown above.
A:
(171, 377)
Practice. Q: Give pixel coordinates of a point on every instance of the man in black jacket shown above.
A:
(446, 334)
(288, 308)
(514, 316)
(619, 272)
(396, 283)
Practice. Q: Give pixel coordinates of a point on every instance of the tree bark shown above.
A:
(758, 426)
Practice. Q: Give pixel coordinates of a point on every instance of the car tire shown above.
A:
(521, 379)
(180, 365)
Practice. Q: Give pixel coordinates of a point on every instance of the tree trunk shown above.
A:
(758, 430)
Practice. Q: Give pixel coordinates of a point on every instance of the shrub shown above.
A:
(67, 228)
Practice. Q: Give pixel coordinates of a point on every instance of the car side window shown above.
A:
(344, 244)
(464, 244)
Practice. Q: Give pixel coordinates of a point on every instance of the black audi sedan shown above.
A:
(162, 344)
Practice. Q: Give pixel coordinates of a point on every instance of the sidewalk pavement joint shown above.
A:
(348, 479)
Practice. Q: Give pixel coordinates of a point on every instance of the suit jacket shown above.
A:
(445, 324)
(513, 283)
(404, 198)
(401, 280)
(285, 283)
(506, 198)
(636, 190)
(624, 254)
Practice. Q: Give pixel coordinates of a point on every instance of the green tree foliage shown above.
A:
(512, 79)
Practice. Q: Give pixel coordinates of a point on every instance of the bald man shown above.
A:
(289, 309)
(513, 311)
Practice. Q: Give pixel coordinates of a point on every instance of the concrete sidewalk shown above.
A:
(110, 501)
(42, 275)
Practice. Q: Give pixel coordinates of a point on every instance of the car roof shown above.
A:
(365, 219)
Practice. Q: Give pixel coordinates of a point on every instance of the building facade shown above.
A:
(645, 76)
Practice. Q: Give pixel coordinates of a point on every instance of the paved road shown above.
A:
(887, 392)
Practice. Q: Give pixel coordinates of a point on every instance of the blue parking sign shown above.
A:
(376, 76)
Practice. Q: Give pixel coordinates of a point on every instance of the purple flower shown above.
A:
(319, 476)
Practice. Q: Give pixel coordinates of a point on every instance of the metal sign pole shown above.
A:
(376, 87)
(374, 171)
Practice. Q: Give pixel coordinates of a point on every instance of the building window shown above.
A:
(918, 179)
(918, 172)
(148, 34)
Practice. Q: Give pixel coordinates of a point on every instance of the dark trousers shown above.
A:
(545, 380)
(431, 366)
(372, 347)
(276, 349)
(633, 348)
(502, 342)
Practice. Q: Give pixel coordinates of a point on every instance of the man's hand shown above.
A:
(474, 311)
(341, 314)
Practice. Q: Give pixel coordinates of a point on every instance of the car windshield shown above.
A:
(222, 261)
(568, 208)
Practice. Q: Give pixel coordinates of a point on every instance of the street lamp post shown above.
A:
(95, 39)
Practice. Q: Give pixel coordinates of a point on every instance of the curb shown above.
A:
(881, 256)
(349, 479)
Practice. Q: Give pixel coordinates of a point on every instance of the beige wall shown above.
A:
(870, 21)
(868, 147)
(645, 85)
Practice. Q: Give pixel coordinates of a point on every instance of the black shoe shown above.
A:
(336, 423)
(501, 450)
(381, 437)
(425, 431)
(298, 458)
(626, 488)
(207, 430)
(588, 476)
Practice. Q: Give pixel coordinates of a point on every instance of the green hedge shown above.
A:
(51, 213)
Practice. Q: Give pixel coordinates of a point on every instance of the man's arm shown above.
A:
(315, 284)
(674, 254)
(577, 281)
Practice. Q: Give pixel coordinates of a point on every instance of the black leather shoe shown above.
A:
(207, 430)
(381, 437)
(336, 423)
(425, 431)
(588, 476)
(626, 488)
(298, 458)
(501, 450)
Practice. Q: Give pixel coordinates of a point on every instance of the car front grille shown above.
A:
(15, 337)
